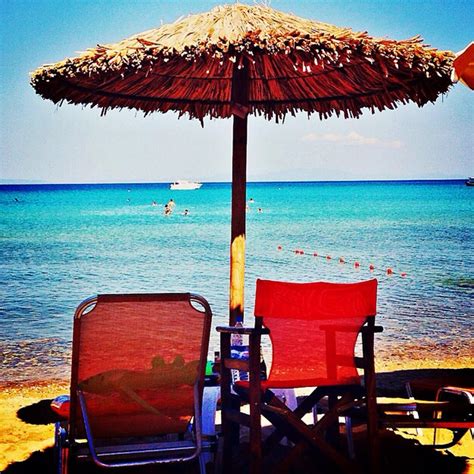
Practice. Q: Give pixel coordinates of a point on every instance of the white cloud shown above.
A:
(351, 138)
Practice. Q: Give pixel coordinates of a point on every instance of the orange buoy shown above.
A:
(315, 254)
(341, 260)
(356, 264)
(279, 247)
(328, 257)
(389, 271)
(403, 274)
(371, 267)
(301, 252)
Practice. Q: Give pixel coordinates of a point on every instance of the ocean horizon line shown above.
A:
(149, 183)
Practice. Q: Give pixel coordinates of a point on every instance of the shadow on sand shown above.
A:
(399, 455)
(39, 413)
(424, 382)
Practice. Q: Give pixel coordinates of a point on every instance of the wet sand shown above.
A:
(26, 424)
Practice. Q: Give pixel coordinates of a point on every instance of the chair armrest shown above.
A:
(241, 330)
(387, 405)
(369, 330)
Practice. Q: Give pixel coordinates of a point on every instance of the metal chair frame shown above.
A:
(437, 414)
(132, 454)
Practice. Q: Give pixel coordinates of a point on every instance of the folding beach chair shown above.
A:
(313, 329)
(137, 379)
(452, 410)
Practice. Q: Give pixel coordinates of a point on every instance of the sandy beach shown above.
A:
(29, 402)
(18, 440)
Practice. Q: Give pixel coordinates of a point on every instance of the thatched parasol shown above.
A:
(237, 60)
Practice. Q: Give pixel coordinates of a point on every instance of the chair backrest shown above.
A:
(136, 359)
(313, 329)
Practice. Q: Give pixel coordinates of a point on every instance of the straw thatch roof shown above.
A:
(293, 65)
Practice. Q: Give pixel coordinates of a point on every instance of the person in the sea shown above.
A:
(251, 200)
(186, 212)
(153, 203)
(171, 204)
(168, 210)
(260, 210)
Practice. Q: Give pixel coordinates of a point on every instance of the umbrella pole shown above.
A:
(237, 246)
(239, 182)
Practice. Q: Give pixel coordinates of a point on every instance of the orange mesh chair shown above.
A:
(138, 365)
(313, 329)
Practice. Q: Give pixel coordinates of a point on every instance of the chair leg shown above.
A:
(217, 465)
(202, 464)
(255, 396)
(61, 451)
(255, 439)
(230, 429)
(371, 401)
(415, 413)
(230, 435)
(332, 431)
(349, 437)
(373, 435)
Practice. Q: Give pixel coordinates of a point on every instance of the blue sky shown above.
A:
(41, 142)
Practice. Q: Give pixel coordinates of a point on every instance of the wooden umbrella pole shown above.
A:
(239, 181)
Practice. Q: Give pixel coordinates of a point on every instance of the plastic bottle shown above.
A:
(238, 351)
(237, 339)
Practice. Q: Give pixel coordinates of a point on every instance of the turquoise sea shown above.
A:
(62, 243)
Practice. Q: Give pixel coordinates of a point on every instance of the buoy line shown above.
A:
(389, 271)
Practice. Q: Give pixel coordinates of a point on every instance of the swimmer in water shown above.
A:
(186, 212)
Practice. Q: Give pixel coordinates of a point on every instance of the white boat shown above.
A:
(184, 185)
(470, 181)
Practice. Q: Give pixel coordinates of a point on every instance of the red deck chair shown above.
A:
(313, 329)
(138, 366)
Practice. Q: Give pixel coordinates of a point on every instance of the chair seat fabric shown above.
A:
(299, 383)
